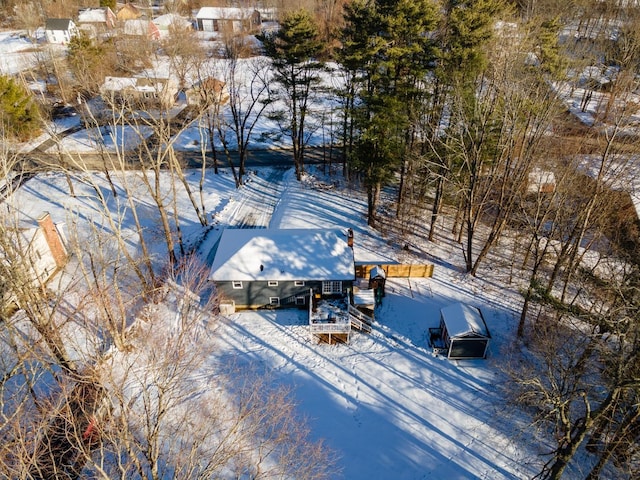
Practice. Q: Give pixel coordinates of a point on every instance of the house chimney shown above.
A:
(350, 237)
(58, 251)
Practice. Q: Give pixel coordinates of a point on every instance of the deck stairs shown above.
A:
(359, 320)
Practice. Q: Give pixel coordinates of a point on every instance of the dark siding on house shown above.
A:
(258, 294)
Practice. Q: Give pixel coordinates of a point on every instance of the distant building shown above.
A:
(228, 20)
(128, 12)
(541, 181)
(207, 92)
(141, 28)
(96, 21)
(60, 30)
(165, 23)
(39, 250)
(147, 91)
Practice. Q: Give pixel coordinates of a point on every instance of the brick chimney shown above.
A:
(350, 237)
(58, 250)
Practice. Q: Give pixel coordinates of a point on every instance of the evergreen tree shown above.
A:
(388, 49)
(294, 50)
(108, 3)
(89, 62)
(19, 113)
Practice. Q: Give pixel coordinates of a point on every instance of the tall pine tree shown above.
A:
(19, 113)
(388, 49)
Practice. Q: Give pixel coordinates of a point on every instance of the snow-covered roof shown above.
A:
(463, 320)
(226, 13)
(139, 27)
(171, 19)
(93, 15)
(289, 254)
(377, 271)
(117, 84)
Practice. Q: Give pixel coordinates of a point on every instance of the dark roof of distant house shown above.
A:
(58, 24)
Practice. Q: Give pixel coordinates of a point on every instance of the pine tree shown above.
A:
(19, 113)
(108, 3)
(388, 48)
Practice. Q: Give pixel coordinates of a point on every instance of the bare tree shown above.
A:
(175, 413)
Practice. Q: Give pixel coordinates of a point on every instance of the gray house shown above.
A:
(257, 268)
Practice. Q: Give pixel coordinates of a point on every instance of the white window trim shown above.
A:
(331, 286)
(299, 283)
(237, 285)
(274, 301)
(272, 283)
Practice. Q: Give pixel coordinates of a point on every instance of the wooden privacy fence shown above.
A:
(395, 270)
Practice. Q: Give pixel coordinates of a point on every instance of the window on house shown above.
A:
(237, 285)
(299, 283)
(274, 301)
(332, 287)
(273, 283)
(300, 301)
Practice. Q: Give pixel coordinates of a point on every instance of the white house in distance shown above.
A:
(228, 20)
(60, 30)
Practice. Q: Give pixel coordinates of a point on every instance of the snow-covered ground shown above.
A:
(384, 403)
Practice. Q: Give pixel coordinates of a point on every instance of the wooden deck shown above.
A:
(331, 321)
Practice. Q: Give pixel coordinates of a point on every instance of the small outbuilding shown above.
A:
(463, 332)
(377, 279)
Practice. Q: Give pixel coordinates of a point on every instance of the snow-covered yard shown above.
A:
(384, 402)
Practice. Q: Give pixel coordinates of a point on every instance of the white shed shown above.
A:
(464, 331)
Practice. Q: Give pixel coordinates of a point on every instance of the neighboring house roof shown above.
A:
(128, 11)
(59, 24)
(541, 181)
(464, 320)
(275, 254)
(118, 84)
(141, 27)
(226, 13)
(138, 84)
(163, 22)
(97, 15)
(210, 90)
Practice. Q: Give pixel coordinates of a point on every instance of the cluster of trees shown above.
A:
(105, 371)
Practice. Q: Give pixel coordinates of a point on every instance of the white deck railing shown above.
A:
(330, 327)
